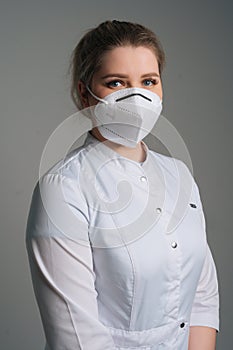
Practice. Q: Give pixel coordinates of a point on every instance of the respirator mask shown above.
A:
(127, 115)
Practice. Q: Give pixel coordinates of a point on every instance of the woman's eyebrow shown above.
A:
(151, 74)
(115, 75)
(119, 75)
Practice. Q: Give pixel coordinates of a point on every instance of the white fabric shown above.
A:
(107, 272)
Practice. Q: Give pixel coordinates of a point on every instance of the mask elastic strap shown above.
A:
(96, 97)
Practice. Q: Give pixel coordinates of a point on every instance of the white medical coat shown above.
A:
(118, 252)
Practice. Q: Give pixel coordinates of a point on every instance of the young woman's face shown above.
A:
(125, 67)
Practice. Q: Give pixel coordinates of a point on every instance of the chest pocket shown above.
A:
(150, 339)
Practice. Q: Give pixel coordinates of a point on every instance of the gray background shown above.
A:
(37, 38)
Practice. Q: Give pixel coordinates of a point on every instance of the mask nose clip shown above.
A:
(134, 94)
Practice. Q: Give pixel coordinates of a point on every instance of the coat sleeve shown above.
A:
(61, 265)
(205, 310)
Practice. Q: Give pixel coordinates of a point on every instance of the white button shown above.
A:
(174, 244)
(143, 178)
(158, 210)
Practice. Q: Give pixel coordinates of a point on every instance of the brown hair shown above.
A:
(86, 57)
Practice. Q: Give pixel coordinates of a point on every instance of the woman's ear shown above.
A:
(83, 92)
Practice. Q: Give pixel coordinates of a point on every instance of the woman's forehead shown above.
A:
(125, 59)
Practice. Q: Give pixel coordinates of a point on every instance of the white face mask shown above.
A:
(127, 115)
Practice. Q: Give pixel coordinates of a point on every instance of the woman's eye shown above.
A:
(114, 83)
(150, 82)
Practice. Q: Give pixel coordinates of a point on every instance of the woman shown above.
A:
(107, 273)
